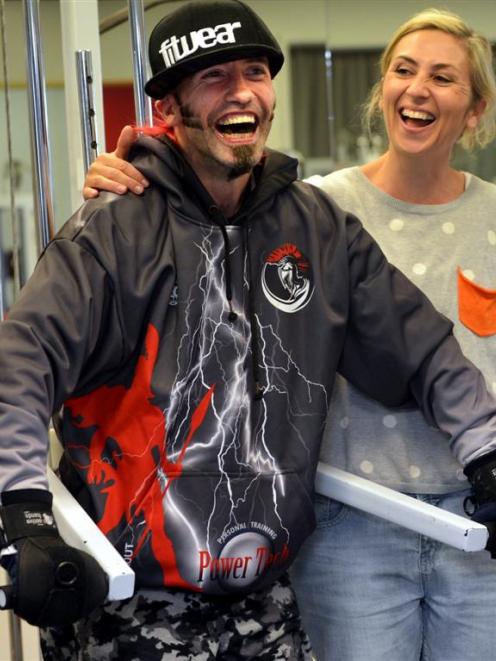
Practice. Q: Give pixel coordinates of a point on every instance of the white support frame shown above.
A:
(401, 509)
(79, 530)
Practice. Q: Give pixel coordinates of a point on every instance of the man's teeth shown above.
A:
(417, 114)
(237, 119)
(238, 124)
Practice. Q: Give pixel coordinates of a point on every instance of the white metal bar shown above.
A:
(79, 530)
(401, 509)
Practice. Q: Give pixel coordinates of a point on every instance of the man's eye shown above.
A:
(211, 74)
(258, 71)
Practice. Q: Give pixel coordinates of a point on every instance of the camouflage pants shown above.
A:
(186, 626)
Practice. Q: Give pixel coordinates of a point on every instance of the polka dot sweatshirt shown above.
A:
(449, 251)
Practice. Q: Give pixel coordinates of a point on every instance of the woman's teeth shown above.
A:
(417, 115)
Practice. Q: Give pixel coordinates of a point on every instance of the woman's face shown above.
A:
(427, 99)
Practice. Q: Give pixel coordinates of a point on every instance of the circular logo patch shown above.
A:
(287, 279)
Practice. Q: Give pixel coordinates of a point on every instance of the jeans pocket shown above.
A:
(476, 306)
(328, 512)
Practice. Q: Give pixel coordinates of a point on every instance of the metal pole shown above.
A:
(15, 637)
(42, 173)
(3, 275)
(3, 280)
(331, 119)
(79, 25)
(330, 105)
(86, 106)
(142, 103)
(42, 177)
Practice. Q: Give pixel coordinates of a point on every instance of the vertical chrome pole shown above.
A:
(41, 178)
(86, 106)
(329, 88)
(3, 272)
(16, 651)
(79, 26)
(42, 172)
(3, 280)
(15, 638)
(330, 105)
(14, 218)
(142, 103)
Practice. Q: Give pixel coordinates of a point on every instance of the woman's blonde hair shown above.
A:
(482, 78)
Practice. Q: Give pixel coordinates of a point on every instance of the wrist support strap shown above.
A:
(482, 475)
(27, 520)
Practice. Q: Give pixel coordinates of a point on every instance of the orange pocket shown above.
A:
(476, 306)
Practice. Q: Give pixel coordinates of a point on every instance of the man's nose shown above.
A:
(239, 89)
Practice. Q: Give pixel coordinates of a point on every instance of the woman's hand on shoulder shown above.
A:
(110, 171)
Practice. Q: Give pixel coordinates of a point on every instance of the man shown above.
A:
(192, 335)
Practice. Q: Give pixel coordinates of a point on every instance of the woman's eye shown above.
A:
(444, 80)
(402, 71)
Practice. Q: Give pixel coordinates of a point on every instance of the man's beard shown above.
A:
(244, 161)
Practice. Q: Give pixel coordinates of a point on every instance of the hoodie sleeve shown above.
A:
(398, 347)
(53, 341)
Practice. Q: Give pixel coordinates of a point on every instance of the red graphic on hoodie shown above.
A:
(137, 475)
(286, 251)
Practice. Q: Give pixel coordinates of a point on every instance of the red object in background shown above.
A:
(118, 107)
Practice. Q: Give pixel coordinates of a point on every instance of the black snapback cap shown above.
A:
(203, 33)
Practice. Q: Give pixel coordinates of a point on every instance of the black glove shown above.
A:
(482, 474)
(53, 584)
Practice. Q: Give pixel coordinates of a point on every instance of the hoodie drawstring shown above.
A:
(255, 338)
(218, 218)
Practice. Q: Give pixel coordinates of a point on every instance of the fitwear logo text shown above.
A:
(177, 48)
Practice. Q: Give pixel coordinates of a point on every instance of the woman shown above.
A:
(370, 590)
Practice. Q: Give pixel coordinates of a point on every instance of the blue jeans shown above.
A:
(370, 590)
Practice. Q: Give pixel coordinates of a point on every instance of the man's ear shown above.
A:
(168, 109)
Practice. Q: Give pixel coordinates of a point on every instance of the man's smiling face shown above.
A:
(222, 116)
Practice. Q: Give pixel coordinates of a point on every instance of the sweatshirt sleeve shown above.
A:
(52, 342)
(398, 347)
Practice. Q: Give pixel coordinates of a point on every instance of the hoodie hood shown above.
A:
(162, 163)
